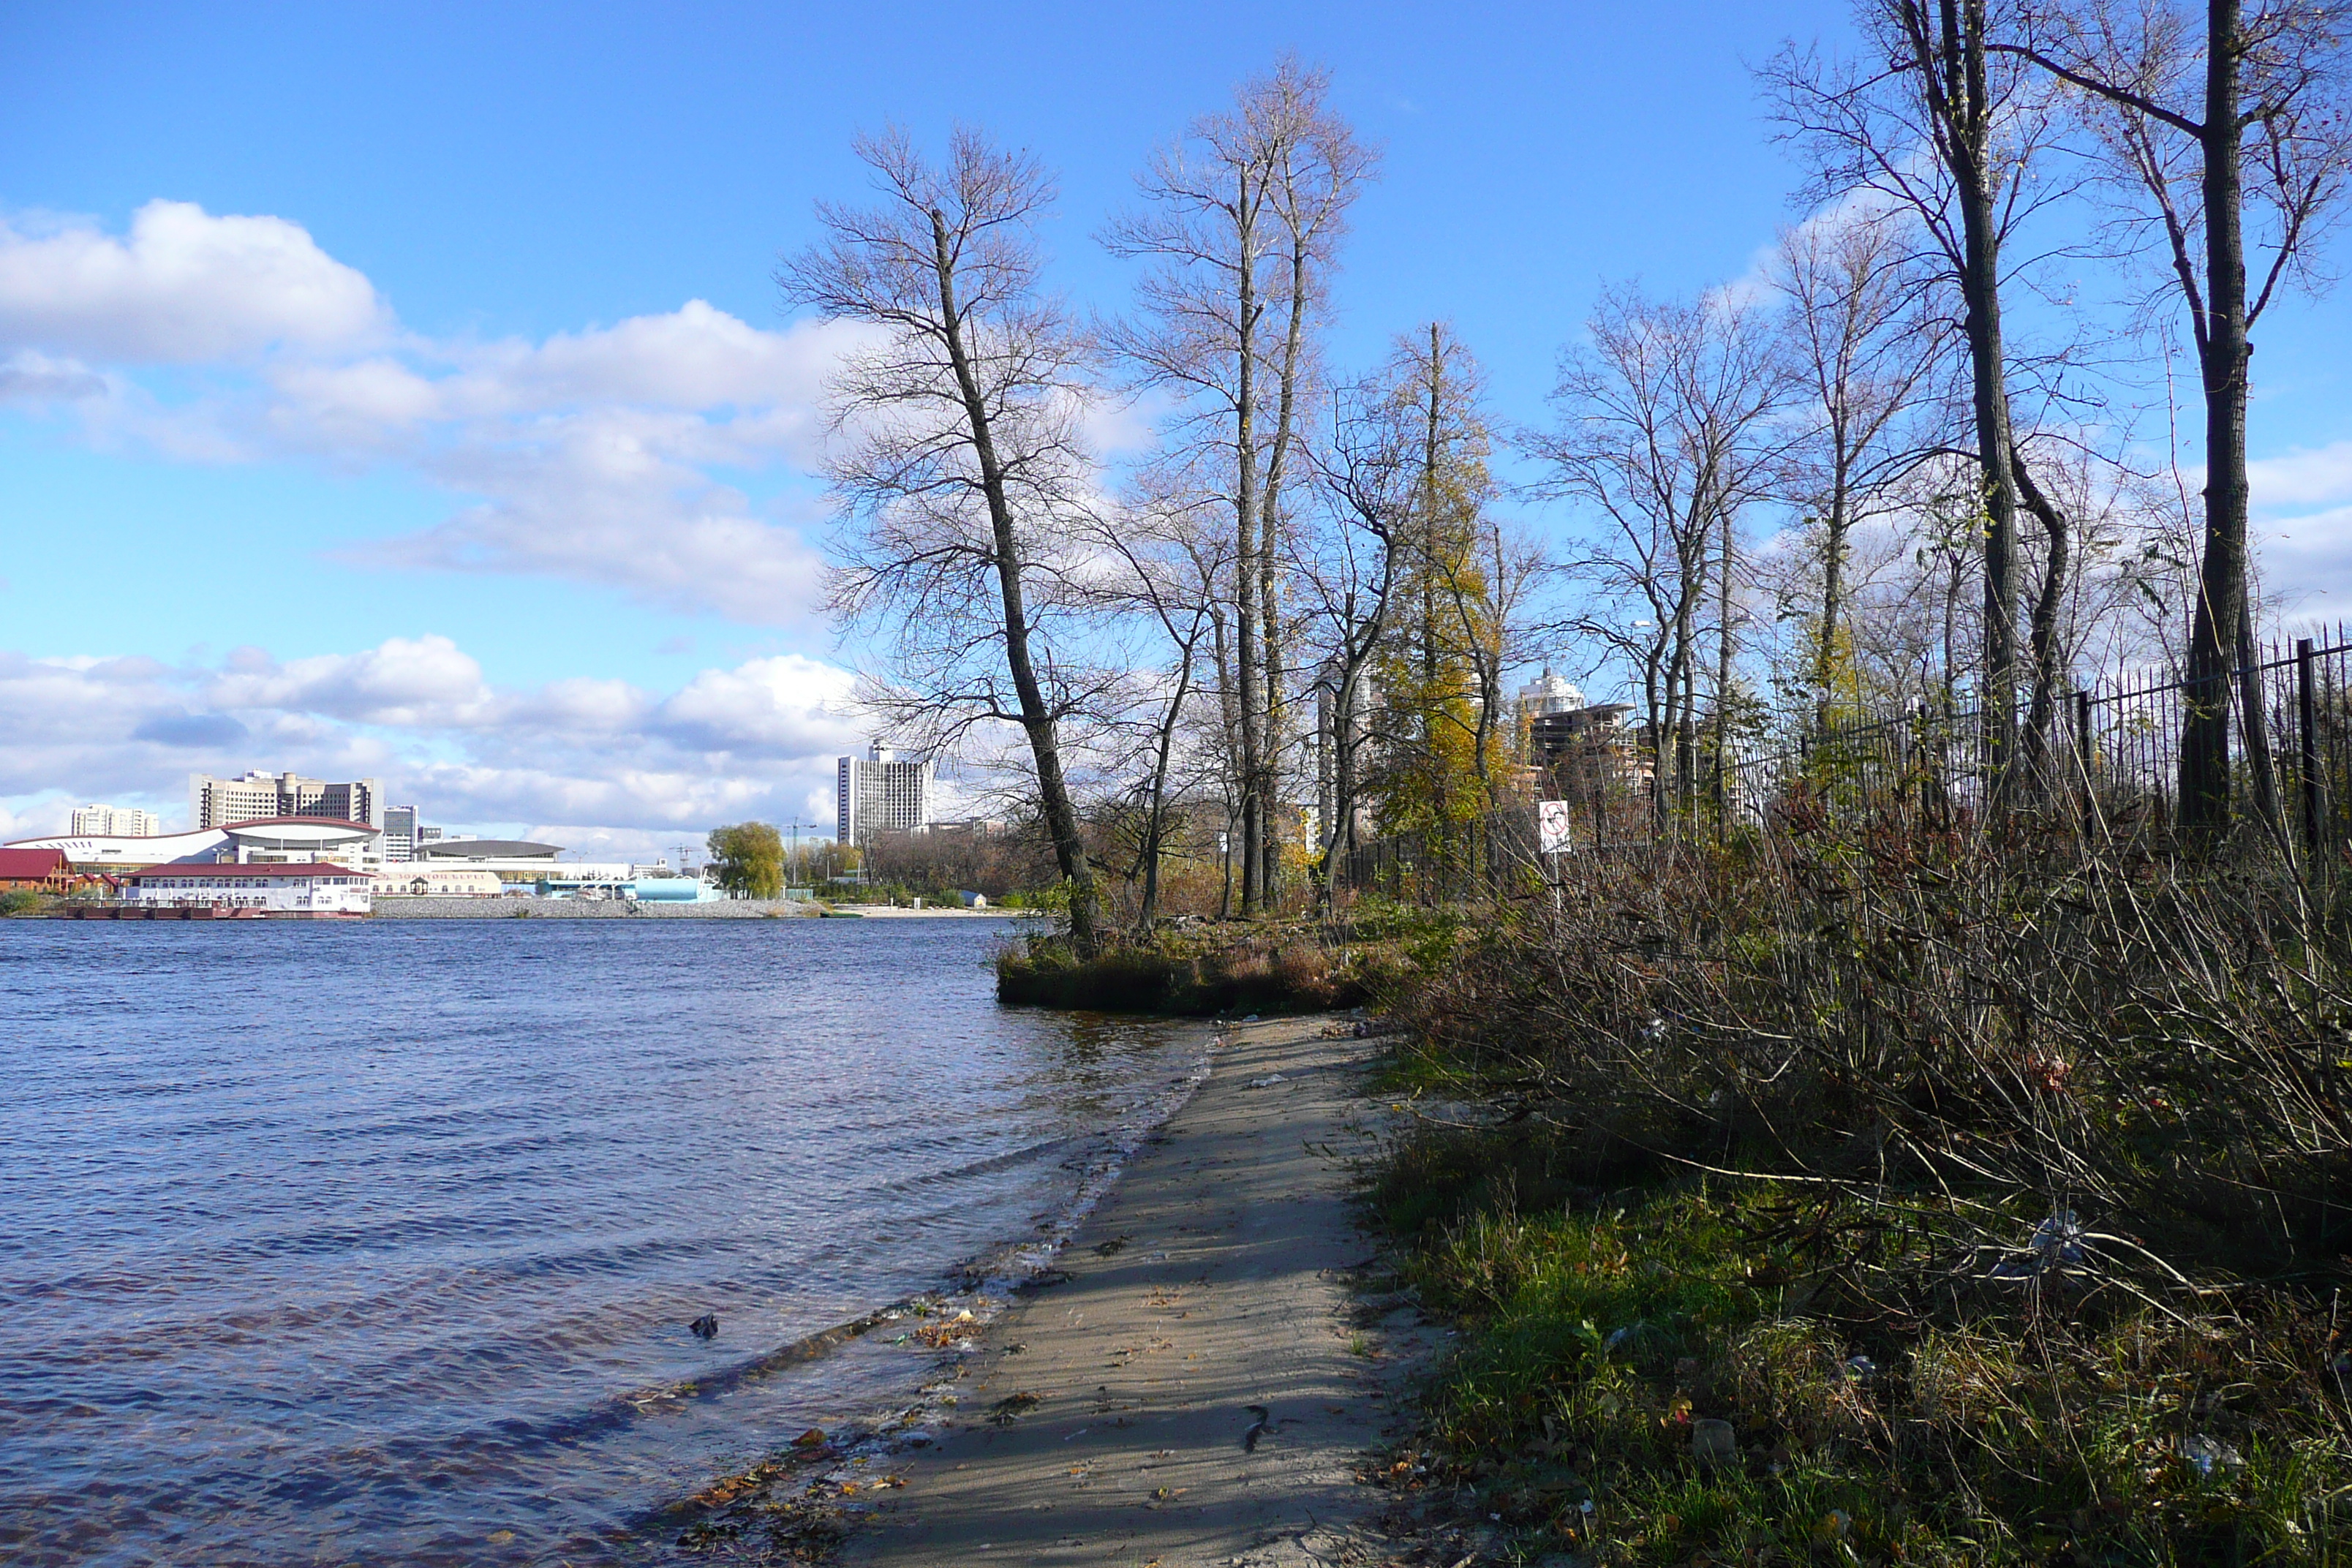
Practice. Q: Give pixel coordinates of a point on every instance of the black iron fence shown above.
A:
(2105, 758)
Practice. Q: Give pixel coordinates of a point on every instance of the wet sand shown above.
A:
(1108, 1418)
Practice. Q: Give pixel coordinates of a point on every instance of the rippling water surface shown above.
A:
(352, 1243)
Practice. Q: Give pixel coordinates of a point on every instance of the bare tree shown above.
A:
(1866, 356)
(1242, 220)
(1667, 428)
(958, 462)
(1365, 473)
(2247, 112)
(1938, 122)
(1170, 561)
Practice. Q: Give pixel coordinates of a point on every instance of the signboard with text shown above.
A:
(1551, 827)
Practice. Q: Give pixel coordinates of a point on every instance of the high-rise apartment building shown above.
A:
(215, 802)
(115, 822)
(400, 835)
(878, 794)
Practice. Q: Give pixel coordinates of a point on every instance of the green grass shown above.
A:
(1596, 1329)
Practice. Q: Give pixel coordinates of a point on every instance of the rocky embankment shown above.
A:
(416, 908)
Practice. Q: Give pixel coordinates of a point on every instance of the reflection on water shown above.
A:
(377, 1242)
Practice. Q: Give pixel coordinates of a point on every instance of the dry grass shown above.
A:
(1994, 1191)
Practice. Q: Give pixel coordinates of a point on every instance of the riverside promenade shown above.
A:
(1196, 1391)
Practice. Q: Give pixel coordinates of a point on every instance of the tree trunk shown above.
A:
(1155, 828)
(1269, 552)
(1723, 670)
(2215, 632)
(1246, 560)
(1832, 585)
(1970, 138)
(1036, 719)
(2039, 745)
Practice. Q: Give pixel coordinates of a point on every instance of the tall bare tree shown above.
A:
(1936, 119)
(1668, 425)
(1168, 560)
(1242, 221)
(1364, 468)
(1866, 355)
(2248, 110)
(957, 459)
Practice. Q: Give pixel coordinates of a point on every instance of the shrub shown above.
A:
(1266, 972)
(1992, 1190)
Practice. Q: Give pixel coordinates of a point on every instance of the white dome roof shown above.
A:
(1548, 693)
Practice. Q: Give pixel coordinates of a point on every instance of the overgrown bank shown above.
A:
(1887, 1198)
(1208, 969)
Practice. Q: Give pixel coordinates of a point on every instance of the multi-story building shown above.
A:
(116, 822)
(400, 835)
(878, 794)
(217, 802)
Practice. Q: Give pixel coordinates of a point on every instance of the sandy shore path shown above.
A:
(1209, 1282)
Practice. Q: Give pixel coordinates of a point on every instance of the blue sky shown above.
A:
(434, 468)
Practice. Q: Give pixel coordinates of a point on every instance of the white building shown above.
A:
(301, 838)
(116, 822)
(216, 801)
(270, 838)
(1548, 693)
(433, 881)
(316, 889)
(878, 794)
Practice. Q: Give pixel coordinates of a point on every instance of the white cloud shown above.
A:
(427, 683)
(600, 757)
(2308, 477)
(606, 456)
(183, 286)
(783, 707)
(31, 376)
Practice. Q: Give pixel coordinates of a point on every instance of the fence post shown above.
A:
(2307, 720)
(2082, 754)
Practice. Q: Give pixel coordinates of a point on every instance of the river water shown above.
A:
(376, 1242)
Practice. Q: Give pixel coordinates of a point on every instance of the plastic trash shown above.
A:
(2055, 1243)
(1714, 1442)
(2204, 1453)
(1268, 1081)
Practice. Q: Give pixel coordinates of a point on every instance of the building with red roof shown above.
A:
(42, 870)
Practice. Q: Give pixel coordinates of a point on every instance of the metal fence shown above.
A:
(2106, 757)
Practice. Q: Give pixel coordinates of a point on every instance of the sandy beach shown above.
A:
(1197, 1390)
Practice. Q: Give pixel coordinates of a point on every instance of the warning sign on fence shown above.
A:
(1551, 826)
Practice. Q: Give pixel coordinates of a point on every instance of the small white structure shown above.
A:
(420, 879)
(312, 888)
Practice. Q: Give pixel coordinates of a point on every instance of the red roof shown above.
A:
(274, 869)
(25, 865)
